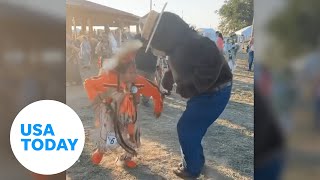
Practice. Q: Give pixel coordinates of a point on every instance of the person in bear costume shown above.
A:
(201, 74)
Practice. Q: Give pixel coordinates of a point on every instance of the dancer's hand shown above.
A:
(165, 93)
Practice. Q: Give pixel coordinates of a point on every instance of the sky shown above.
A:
(200, 13)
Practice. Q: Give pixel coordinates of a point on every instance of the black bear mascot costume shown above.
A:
(201, 74)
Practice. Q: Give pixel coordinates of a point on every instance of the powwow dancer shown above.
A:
(115, 95)
(201, 74)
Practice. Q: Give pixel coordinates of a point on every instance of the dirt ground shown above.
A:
(228, 144)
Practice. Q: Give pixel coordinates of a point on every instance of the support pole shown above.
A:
(137, 29)
(83, 25)
(90, 26)
(74, 27)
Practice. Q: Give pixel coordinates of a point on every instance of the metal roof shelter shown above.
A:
(92, 14)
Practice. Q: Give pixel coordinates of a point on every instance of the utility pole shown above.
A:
(150, 5)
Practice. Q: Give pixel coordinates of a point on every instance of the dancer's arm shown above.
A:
(151, 90)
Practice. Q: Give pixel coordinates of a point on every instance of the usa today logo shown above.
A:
(47, 137)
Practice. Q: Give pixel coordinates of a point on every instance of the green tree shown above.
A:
(296, 29)
(235, 15)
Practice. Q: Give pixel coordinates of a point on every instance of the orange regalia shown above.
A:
(115, 105)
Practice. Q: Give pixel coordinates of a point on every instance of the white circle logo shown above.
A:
(47, 137)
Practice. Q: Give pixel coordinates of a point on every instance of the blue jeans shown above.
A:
(251, 58)
(272, 170)
(200, 113)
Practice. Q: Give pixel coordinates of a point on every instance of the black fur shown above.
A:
(146, 62)
(195, 61)
(171, 33)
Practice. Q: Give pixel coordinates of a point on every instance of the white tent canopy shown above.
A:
(208, 32)
(245, 33)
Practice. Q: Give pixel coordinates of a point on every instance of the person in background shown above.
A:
(95, 33)
(217, 35)
(220, 43)
(231, 51)
(251, 53)
(72, 73)
(112, 41)
(77, 42)
(85, 57)
(103, 50)
(85, 52)
(93, 43)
